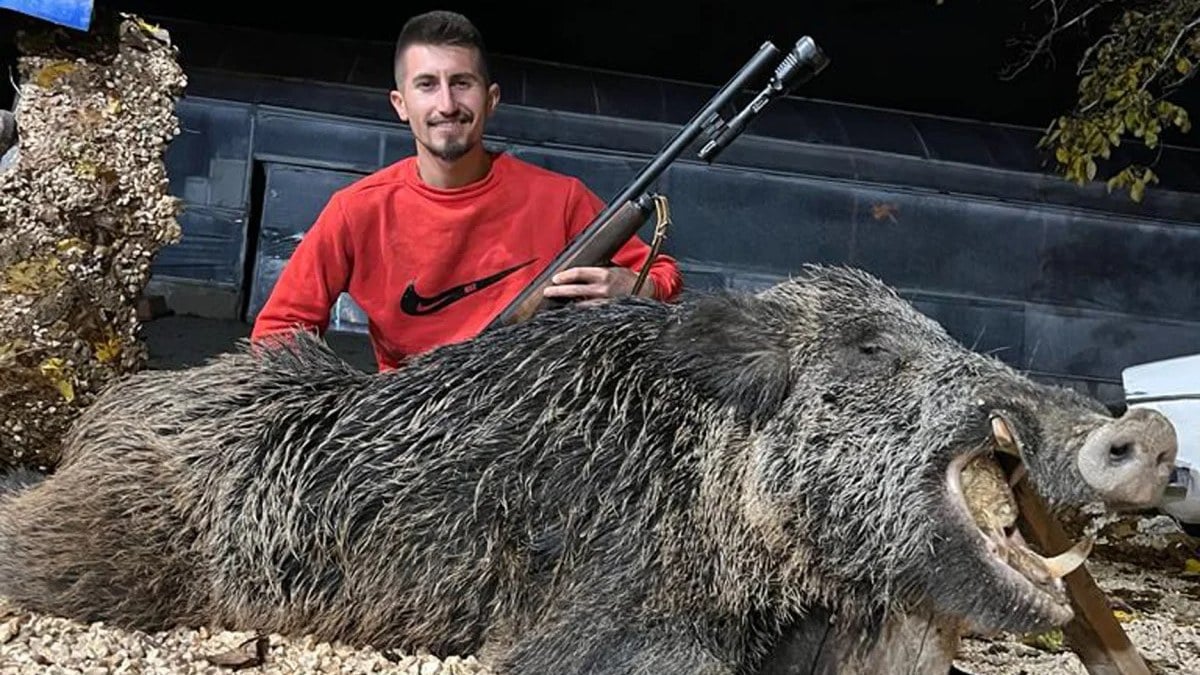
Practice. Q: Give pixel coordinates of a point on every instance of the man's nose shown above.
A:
(445, 101)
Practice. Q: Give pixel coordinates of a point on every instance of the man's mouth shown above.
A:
(980, 482)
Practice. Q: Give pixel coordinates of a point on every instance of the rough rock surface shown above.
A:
(84, 207)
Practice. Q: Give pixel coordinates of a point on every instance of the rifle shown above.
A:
(627, 212)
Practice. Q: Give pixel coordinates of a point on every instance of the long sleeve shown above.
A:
(311, 280)
(664, 271)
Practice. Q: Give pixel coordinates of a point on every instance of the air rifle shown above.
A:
(627, 212)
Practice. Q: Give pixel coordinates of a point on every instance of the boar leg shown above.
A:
(813, 645)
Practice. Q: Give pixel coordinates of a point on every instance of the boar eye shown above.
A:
(869, 348)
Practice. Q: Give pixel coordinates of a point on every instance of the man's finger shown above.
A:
(575, 291)
(580, 275)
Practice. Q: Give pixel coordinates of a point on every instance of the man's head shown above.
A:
(443, 87)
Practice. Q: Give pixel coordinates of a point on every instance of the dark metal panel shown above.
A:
(952, 141)
(949, 244)
(1014, 149)
(871, 129)
(295, 196)
(549, 86)
(398, 144)
(603, 175)
(339, 142)
(526, 126)
(629, 97)
(1082, 344)
(682, 100)
(350, 101)
(211, 249)
(799, 120)
(984, 326)
(756, 221)
(1136, 268)
(207, 163)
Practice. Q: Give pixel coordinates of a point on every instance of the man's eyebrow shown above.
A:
(460, 74)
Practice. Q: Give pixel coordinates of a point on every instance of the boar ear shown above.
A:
(730, 348)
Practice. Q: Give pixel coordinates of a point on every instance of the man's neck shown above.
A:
(438, 173)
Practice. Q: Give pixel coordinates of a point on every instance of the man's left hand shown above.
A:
(596, 283)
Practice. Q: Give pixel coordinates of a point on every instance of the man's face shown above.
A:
(444, 99)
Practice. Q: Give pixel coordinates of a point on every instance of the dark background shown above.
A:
(912, 55)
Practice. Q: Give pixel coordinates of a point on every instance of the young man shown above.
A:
(434, 246)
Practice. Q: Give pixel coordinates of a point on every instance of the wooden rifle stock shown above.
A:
(621, 218)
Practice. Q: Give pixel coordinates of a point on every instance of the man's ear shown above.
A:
(398, 105)
(734, 351)
(493, 97)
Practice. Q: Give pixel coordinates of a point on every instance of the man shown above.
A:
(434, 246)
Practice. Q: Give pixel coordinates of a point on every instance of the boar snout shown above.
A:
(1128, 461)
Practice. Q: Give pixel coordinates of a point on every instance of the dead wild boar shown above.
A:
(696, 487)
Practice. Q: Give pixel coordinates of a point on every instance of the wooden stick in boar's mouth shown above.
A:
(1093, 634)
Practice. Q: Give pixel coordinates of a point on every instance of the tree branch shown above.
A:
(1167, 57)
(1043, 43)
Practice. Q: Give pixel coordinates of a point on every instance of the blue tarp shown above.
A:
(71, 13)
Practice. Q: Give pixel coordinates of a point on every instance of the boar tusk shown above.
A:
(1004, 436)
(1064, 563)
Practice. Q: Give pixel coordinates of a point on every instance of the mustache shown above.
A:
(460, 117)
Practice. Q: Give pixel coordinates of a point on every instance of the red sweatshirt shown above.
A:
(432, 266)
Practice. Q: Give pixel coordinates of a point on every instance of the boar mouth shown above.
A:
(980, 483)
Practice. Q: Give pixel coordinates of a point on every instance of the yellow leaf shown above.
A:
(108, 350)
(1192, 566)
(53, 370)
(1062, 155)
(86, 168)
(1137, 190)
(1123, 616)
(29, 276)
(1183, 65)
(51, 73)
(1051, 640)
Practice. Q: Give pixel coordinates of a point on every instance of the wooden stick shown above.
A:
(1094, 634)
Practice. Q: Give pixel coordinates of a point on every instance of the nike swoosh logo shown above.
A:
(415, 304)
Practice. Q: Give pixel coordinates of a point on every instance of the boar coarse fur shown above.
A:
(635, 485)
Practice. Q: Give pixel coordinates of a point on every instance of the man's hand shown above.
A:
(596, 283)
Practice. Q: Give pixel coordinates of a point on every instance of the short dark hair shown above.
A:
(440, 28)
